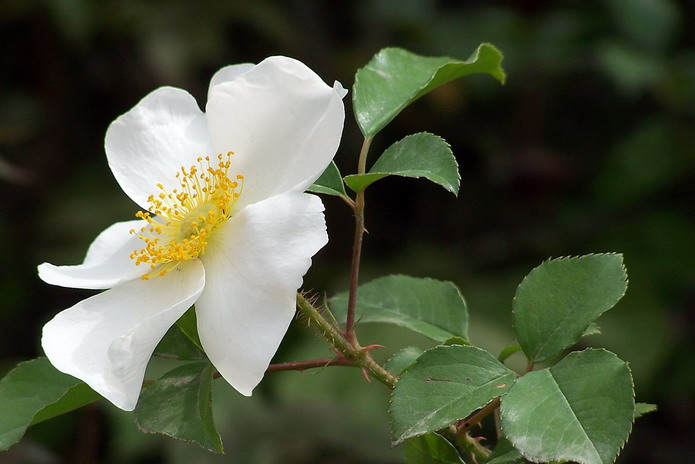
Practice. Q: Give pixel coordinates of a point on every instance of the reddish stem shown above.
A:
(312, 364)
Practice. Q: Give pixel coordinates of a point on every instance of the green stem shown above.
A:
(473, 447)
(334, 336)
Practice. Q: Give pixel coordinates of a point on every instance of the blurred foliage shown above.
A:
(589, 147)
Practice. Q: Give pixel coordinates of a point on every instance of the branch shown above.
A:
(313, 364)
(333, 335)
(358, 208)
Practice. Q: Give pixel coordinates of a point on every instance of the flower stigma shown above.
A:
(180, 222)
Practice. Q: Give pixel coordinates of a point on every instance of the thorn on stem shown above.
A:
(368, 348)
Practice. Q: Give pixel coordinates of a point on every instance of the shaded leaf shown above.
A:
(446, 383)
(431, 449)
(179, 405)
(176, 345)
(402, 359)
(394, 78)
(417, 155)
(188, 324)
(35, 391)
(430, 307)
(508, 351)
(579, 410)
(456, 341)
(558, 300)
(330, 182)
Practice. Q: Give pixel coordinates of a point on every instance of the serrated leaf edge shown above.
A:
(397, 440)
(564, 258)
(470, 60)
(629, 432)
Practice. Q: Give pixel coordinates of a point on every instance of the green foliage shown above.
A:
(417, 155)
(580, 410)
(176, 345)
(394, 78)
(179, 405)
(505, 453)
(558, 300)
(189, 326)
(644, 408)
(431, 449)
(330, 182)
(35, 391)
(402, 359)
(508, 351)
(447, 383)
(593, 329)
(430, 307)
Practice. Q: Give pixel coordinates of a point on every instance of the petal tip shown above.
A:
(339, 89)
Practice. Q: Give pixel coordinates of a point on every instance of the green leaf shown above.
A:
(188, 324)
(430, 307)
(176, 345)
(644, 408)
(456, 341)
(417, 155)
(394, 78)
(505, 453)
(593, 329)
(33, 392)
(508, 351)
(402, 359)
(558, 300)
(179, 405)
(579, 410)
(446, 383)
(330, 182)
(431, 449)
(76, 397)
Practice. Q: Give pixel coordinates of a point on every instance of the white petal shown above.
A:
(106, 340)
(151, 142)
(283, 123)
(107, 262)
(254, 265)
(228, 74)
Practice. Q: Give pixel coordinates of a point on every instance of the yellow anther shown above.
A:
(181, 222)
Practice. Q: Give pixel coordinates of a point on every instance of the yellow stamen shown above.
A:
(181, 222)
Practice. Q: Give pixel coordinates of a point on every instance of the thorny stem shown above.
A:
(333, 335)
(358, 209)
(472, 446)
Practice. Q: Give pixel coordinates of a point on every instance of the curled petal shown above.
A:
(254, 266)
(107, 340)
(282, 122)
(107, 262)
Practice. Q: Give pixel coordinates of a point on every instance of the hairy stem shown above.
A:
(358, 209)
(333, 335)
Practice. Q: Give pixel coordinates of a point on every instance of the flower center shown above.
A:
(180, 222)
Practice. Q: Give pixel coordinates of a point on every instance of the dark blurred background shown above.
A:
(589, 147)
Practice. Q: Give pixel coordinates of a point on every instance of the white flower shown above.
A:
(226, 226)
